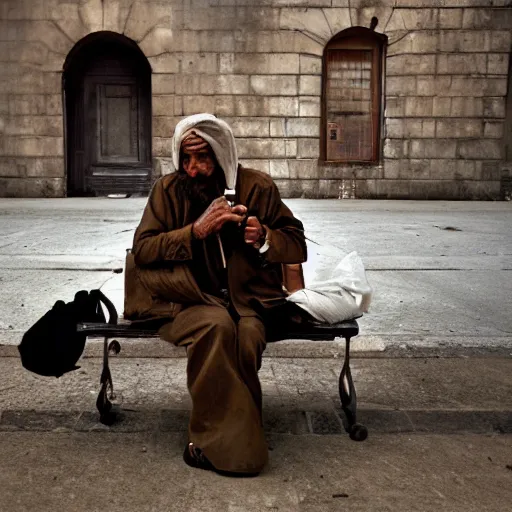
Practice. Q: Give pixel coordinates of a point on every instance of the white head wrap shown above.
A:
(220, 137)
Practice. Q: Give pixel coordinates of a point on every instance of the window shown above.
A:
(352, 77)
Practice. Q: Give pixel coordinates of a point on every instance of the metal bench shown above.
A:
(113, 329)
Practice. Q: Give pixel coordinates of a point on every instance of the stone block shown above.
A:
(393, 189)
(425, 41)
(274, 85)
(258, 164)
(467, 86)
(249, 127)
(466, 107)
(44, 187)
(279, 169)
(500, 41)
(163, 84)
(310, 65)
(415, 169)
(163, 166)
(494, 107)
(303, 169)
(302, 127)
(433, 85)
(165, 63)
(199, 63)
(497, 63)
(197, 104)
(261, 148)
(277, 128)
(163, 126)
(309, 106)
(450, 18)
(308, 148)
(310, 85)
(490, 19)
(392, 169)
(159, 40)
(291, 148)
(224, 84)
(312, 21)
(486, 149)
(54, 104)
(143, 17)
(260, 41)
(27, 104)
(49, 34)
(441, 106)
(263, 64)
(458, 128)
(166, 105)
(395, 107)
(464, 41)
(395, 128)
(281, 106)
(410, 65)
(34, 125)
(461, 64)
(33, 146)
(208, 41)
(401, 85)
(13, 187)
(491, 171)
(162, 146)
(395, 148)
(13, 167)
(226, 105)
(493, 129)
(418, 19)
(4, 104)
(432, 148)
(465, 170)
(418, 107)
(185, 84)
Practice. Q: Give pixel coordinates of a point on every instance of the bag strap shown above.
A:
(112, 311)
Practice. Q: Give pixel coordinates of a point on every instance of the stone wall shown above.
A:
(258, 64)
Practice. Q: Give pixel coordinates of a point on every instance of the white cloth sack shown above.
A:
(220, 137)
(336, 288)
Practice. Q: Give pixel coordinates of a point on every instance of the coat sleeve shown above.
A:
(158, 238)
(285, 233)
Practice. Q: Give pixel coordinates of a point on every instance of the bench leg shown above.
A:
(348, 399)
(103, 404)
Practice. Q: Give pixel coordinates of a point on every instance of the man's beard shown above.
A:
(202, 190)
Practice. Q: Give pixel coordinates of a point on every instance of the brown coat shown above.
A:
(163, 242)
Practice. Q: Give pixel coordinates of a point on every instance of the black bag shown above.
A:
(52, 346)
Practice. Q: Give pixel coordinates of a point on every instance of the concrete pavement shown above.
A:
(432, 368)
(441, 271)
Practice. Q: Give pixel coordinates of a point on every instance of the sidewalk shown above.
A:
(440, 438)
(432, 369)
(441, 271)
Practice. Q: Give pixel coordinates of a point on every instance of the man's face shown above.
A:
(203, 179)
(197, 156)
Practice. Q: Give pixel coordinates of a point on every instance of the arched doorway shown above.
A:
(107, 88)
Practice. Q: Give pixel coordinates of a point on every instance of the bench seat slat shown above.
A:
(346, 329)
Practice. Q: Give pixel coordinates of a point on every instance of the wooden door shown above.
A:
(108, 110)
(117, 159)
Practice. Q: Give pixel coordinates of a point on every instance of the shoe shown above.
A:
(195, 458)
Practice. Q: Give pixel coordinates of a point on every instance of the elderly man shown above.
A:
(216, 267)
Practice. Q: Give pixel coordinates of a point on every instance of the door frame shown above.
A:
(82, 65)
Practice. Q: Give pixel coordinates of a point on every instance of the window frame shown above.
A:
(357, 38)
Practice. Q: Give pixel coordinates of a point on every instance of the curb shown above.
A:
(276, 421)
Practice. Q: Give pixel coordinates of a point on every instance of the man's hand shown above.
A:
(215, 216)
(254, 232)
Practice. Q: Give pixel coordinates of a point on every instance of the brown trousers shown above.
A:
(222, 375)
